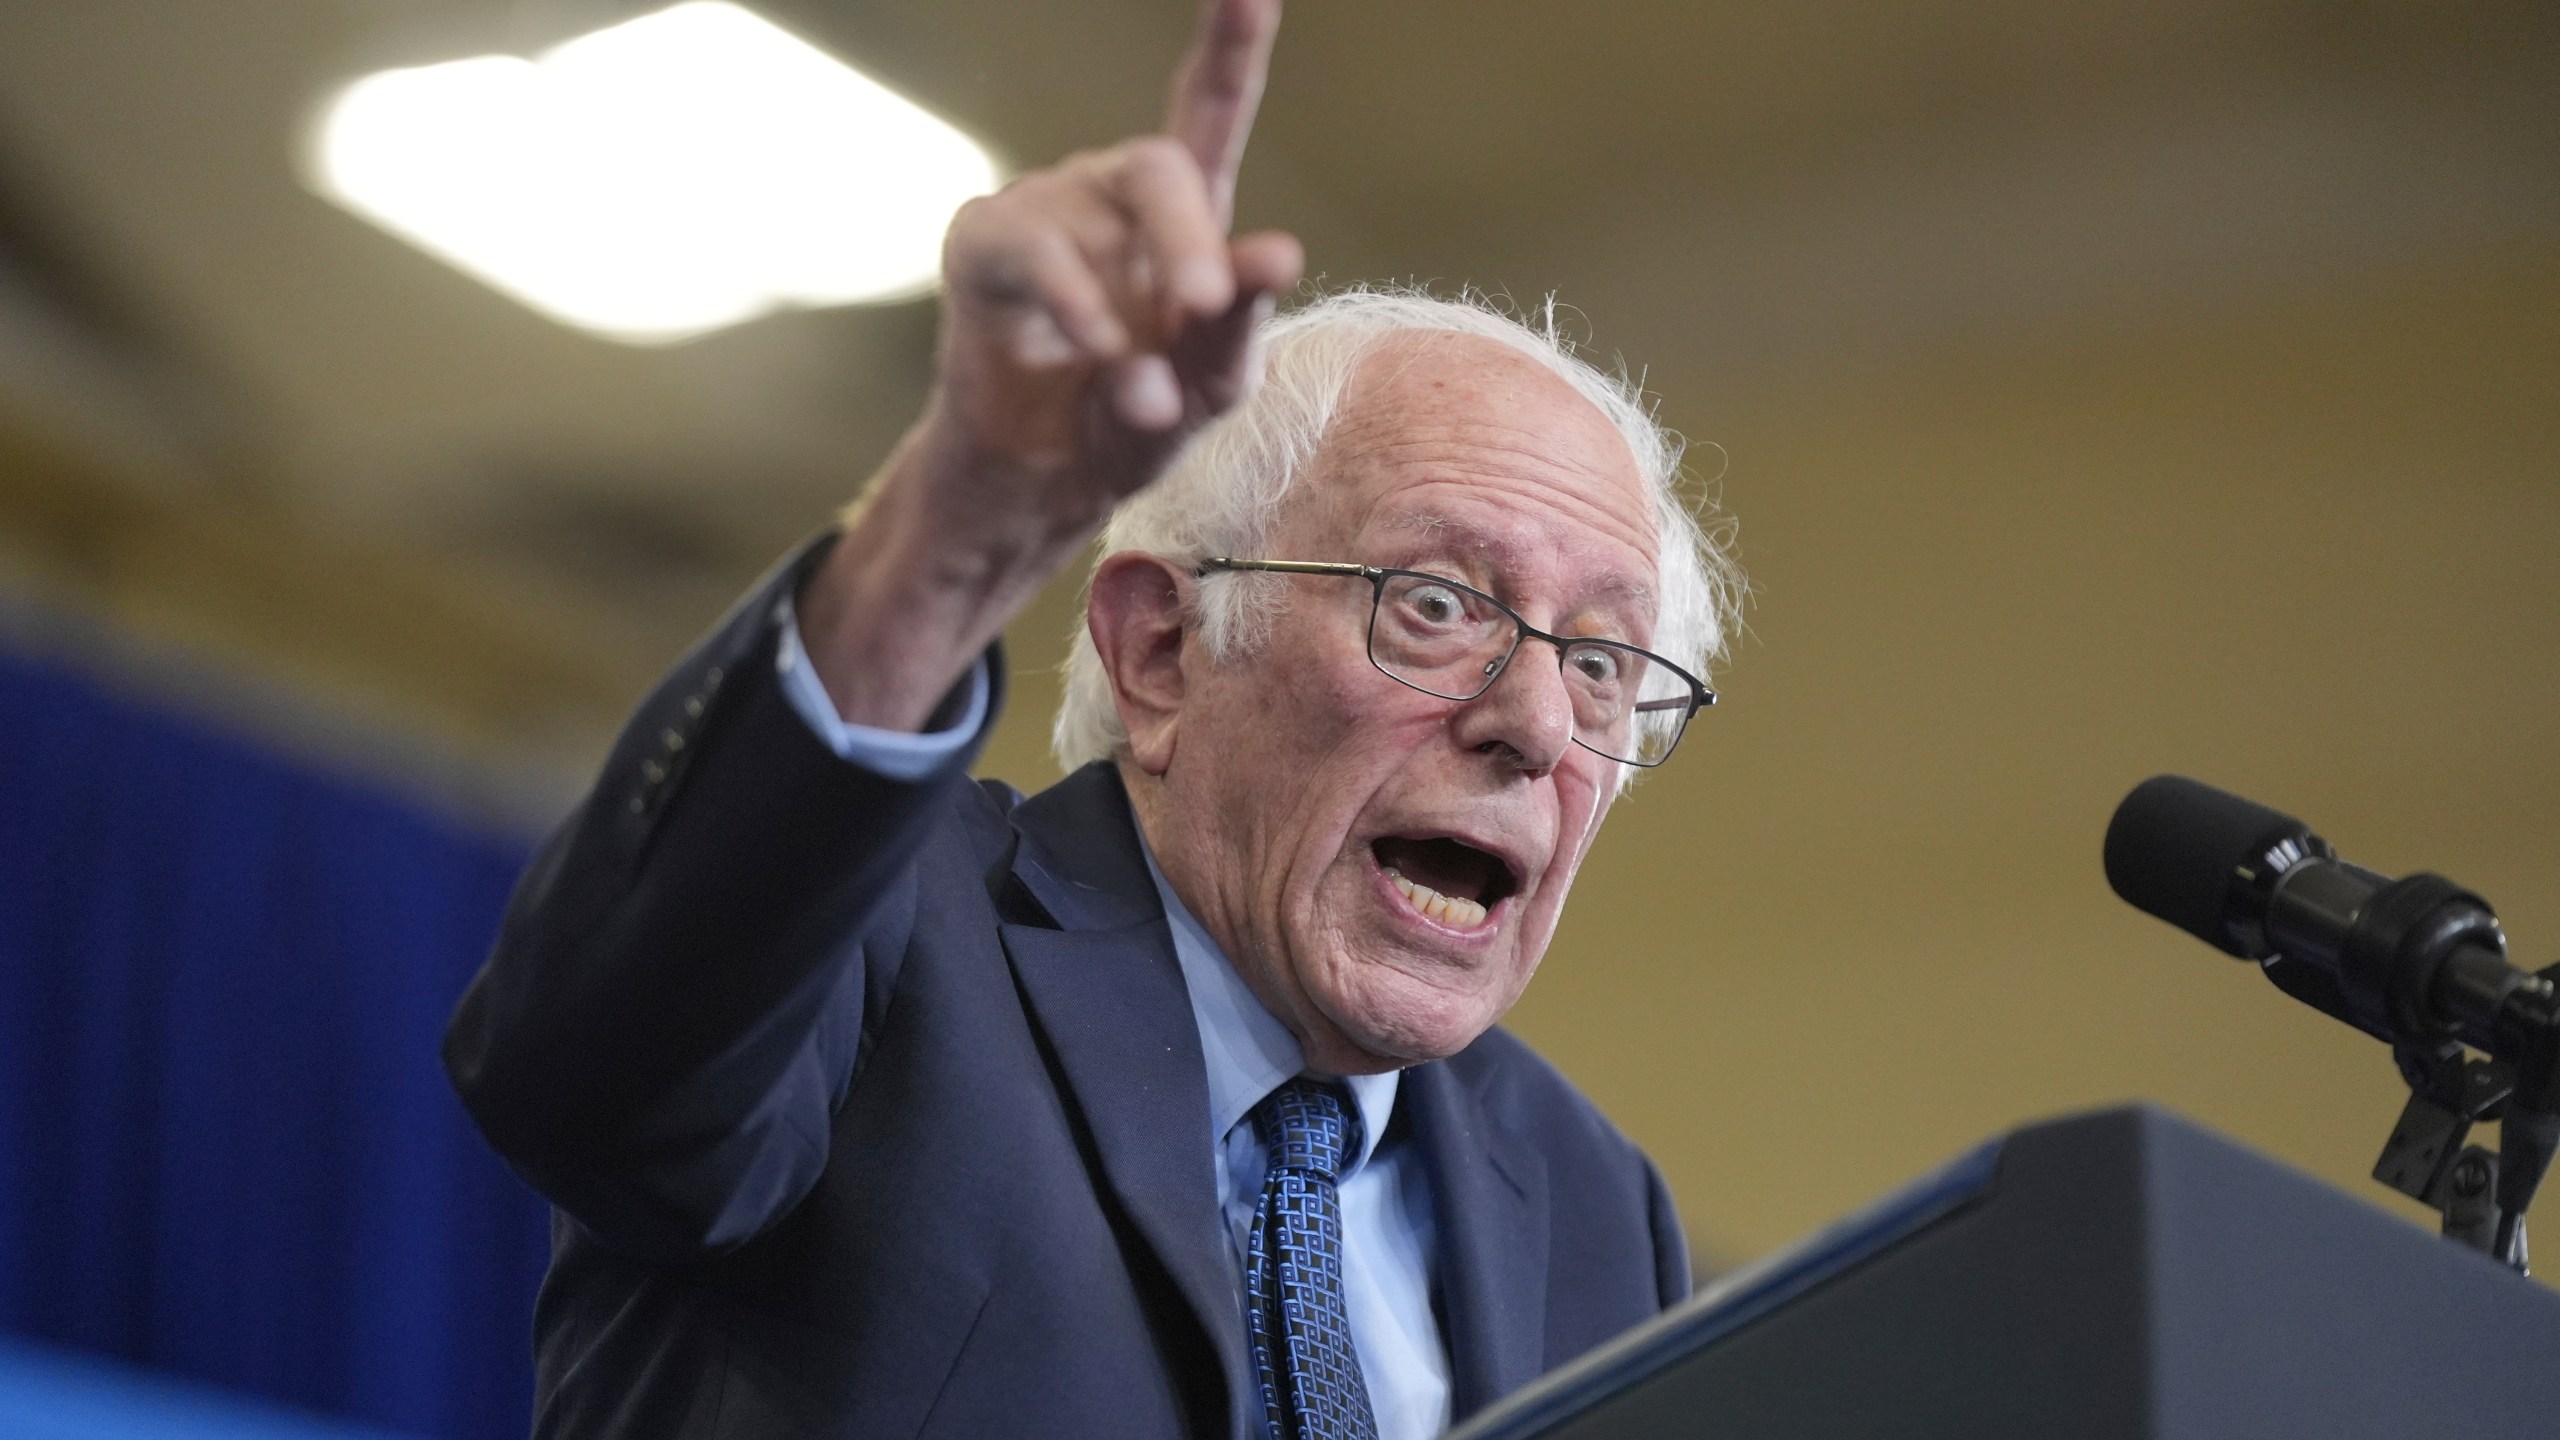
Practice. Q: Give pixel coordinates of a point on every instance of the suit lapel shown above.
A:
(1489, 1196)
(1107, 994)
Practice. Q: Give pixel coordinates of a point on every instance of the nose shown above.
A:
(1525, 717)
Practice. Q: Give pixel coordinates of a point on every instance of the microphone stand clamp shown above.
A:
(2480, 1193)
(2426, 1159)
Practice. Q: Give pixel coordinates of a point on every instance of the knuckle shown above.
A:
(1038, 193)
(1157, 157)
(1010, 268)
(987, 222)
(971, 214)
(1004, 230)
(1085, 171)
(1035, 191)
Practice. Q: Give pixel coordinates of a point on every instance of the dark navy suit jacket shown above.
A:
(877, 1109)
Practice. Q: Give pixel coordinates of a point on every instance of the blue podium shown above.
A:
(2124, 1275)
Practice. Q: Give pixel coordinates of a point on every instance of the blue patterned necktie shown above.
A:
(1311, 1383)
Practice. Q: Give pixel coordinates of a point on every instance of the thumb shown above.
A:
(1219, 361)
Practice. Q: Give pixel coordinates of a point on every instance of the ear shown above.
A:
(1136, 617)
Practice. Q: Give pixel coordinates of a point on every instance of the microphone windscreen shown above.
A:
(2173, 848)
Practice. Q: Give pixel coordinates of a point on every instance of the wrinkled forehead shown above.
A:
(1497, 550)
(1466, 445)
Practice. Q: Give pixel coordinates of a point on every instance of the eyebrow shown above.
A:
(1507, 554)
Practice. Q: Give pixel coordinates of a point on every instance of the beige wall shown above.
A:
(2304, 545)
(2102, 390)
(2307, 548)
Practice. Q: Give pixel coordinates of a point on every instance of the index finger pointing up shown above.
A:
(1219, 86)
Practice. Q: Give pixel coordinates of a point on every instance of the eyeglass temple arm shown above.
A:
(1285, 567)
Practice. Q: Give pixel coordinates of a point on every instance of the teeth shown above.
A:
(1450, 910)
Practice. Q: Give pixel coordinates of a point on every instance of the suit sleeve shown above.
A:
(679, 989)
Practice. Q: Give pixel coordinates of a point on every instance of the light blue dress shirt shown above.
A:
(1387, 1226)
(894, 753)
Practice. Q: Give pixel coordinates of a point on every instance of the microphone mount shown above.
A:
(2424, 967)
(2418, 963)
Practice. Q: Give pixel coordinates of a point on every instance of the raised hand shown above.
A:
(1097, 310)
(1096, 313)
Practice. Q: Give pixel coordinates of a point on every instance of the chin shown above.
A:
(1388, 1015)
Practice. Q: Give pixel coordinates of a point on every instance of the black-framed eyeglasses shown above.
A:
(1452, 640)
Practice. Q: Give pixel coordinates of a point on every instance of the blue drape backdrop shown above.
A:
(226, 1148)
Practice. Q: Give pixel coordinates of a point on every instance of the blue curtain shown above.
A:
(226, 1148)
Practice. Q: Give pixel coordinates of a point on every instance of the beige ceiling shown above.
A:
(1723, 189)
(2102, 389)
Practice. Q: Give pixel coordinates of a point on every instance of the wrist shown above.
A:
(932, 564)
(990, 506)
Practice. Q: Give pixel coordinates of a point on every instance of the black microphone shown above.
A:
(2414, 961)
(2417, 962)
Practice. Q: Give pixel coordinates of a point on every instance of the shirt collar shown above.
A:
(1249, 1052)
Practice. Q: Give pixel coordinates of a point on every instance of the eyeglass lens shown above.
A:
(1451, 641)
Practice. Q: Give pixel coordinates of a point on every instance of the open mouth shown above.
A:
(1446, 880)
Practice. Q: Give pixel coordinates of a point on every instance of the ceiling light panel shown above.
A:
(663, 177)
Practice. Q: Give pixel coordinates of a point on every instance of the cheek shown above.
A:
(1286, 704)
(1307, 778)
(1327, 745)
(1337, 700)
(1263, 718)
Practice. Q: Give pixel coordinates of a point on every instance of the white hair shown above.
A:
(1223, 492)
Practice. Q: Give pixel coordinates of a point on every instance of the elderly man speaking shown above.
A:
(875, 1101)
